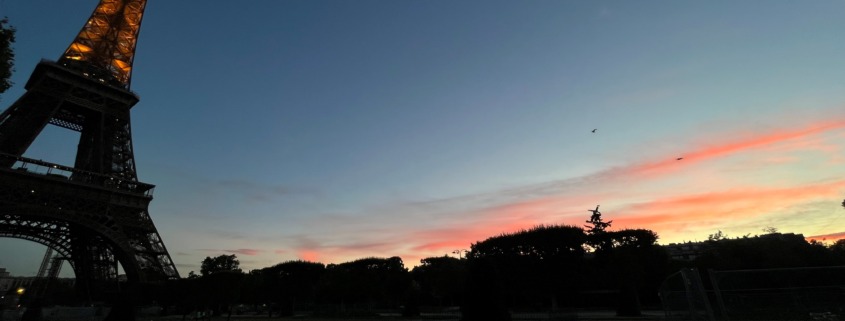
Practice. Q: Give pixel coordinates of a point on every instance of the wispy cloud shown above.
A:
(709, 189)
(722, 148)
(309, 255)
(228, 234)
(832, 237)
(248, 252)
(187, 267)
(260, 192)
(711, 210)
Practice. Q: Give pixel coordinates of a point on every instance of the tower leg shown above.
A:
(23, 121)
(89, 153)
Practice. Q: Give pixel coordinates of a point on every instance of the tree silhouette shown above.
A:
(485, 297)
(837, 249)
(223, 289)
(183, 294)
(597, 225)
(538, 265)
(442, 280)
(718, 236)
(638, 264)
(365, 283)
(292, 283)
(624, 260)
(597, 230)
(7, 55)
(257, 289)
(765, 251)
(221, 263)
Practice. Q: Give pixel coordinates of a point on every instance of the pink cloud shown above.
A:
(832, 237)
(670, 164)
(446, 246)
(638, 203)
(678, 213)
(238, 251)
(309, 255)
(669, 213)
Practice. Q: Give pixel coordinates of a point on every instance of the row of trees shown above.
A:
(546, 268)
(542, 269)
(359, 286)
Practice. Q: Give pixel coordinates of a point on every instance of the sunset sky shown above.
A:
(335, 130)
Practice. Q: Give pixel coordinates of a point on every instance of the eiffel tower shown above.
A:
(94, 213)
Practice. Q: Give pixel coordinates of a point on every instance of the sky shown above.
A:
(330, 130)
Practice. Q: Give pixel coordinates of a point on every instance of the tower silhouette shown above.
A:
(94, 213)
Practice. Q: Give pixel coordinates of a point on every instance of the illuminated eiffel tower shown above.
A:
(93, 213)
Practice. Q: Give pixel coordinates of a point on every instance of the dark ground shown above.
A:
(582, 315)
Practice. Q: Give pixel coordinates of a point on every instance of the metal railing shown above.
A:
(56, 171)
(802, 293)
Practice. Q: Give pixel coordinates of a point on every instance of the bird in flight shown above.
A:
(679, 158)
(594, 130)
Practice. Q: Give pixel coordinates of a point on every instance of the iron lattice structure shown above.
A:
(94, 213)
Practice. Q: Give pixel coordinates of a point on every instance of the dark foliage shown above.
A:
(543, 269)
(486, 295)
(540, 267)
(365, 284)
(772, 276)
(221, 263)
(541, 242)
(442, 280)
(637, 265)
(222, 290)
(766, 251)
(7, 55)
(837, 250)
(291, 284)
(597, 225)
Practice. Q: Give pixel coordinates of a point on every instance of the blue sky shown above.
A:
(335, 130)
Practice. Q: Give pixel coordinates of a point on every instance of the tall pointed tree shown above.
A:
(596, 224)
(597, 231)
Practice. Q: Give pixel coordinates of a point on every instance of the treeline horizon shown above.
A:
(225, 259)
(546, 268)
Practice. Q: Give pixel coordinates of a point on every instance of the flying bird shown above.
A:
(594, 130)
(679, 158)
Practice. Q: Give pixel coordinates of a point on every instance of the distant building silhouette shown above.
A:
(9, 284)
(689, 251)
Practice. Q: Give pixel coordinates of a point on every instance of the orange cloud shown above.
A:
(754, 196)
(833, 237)
(668, 214)
(237, 251)
(690, 212)
(309, 255)
(443, 246)
(633, 196)
(670, 163)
